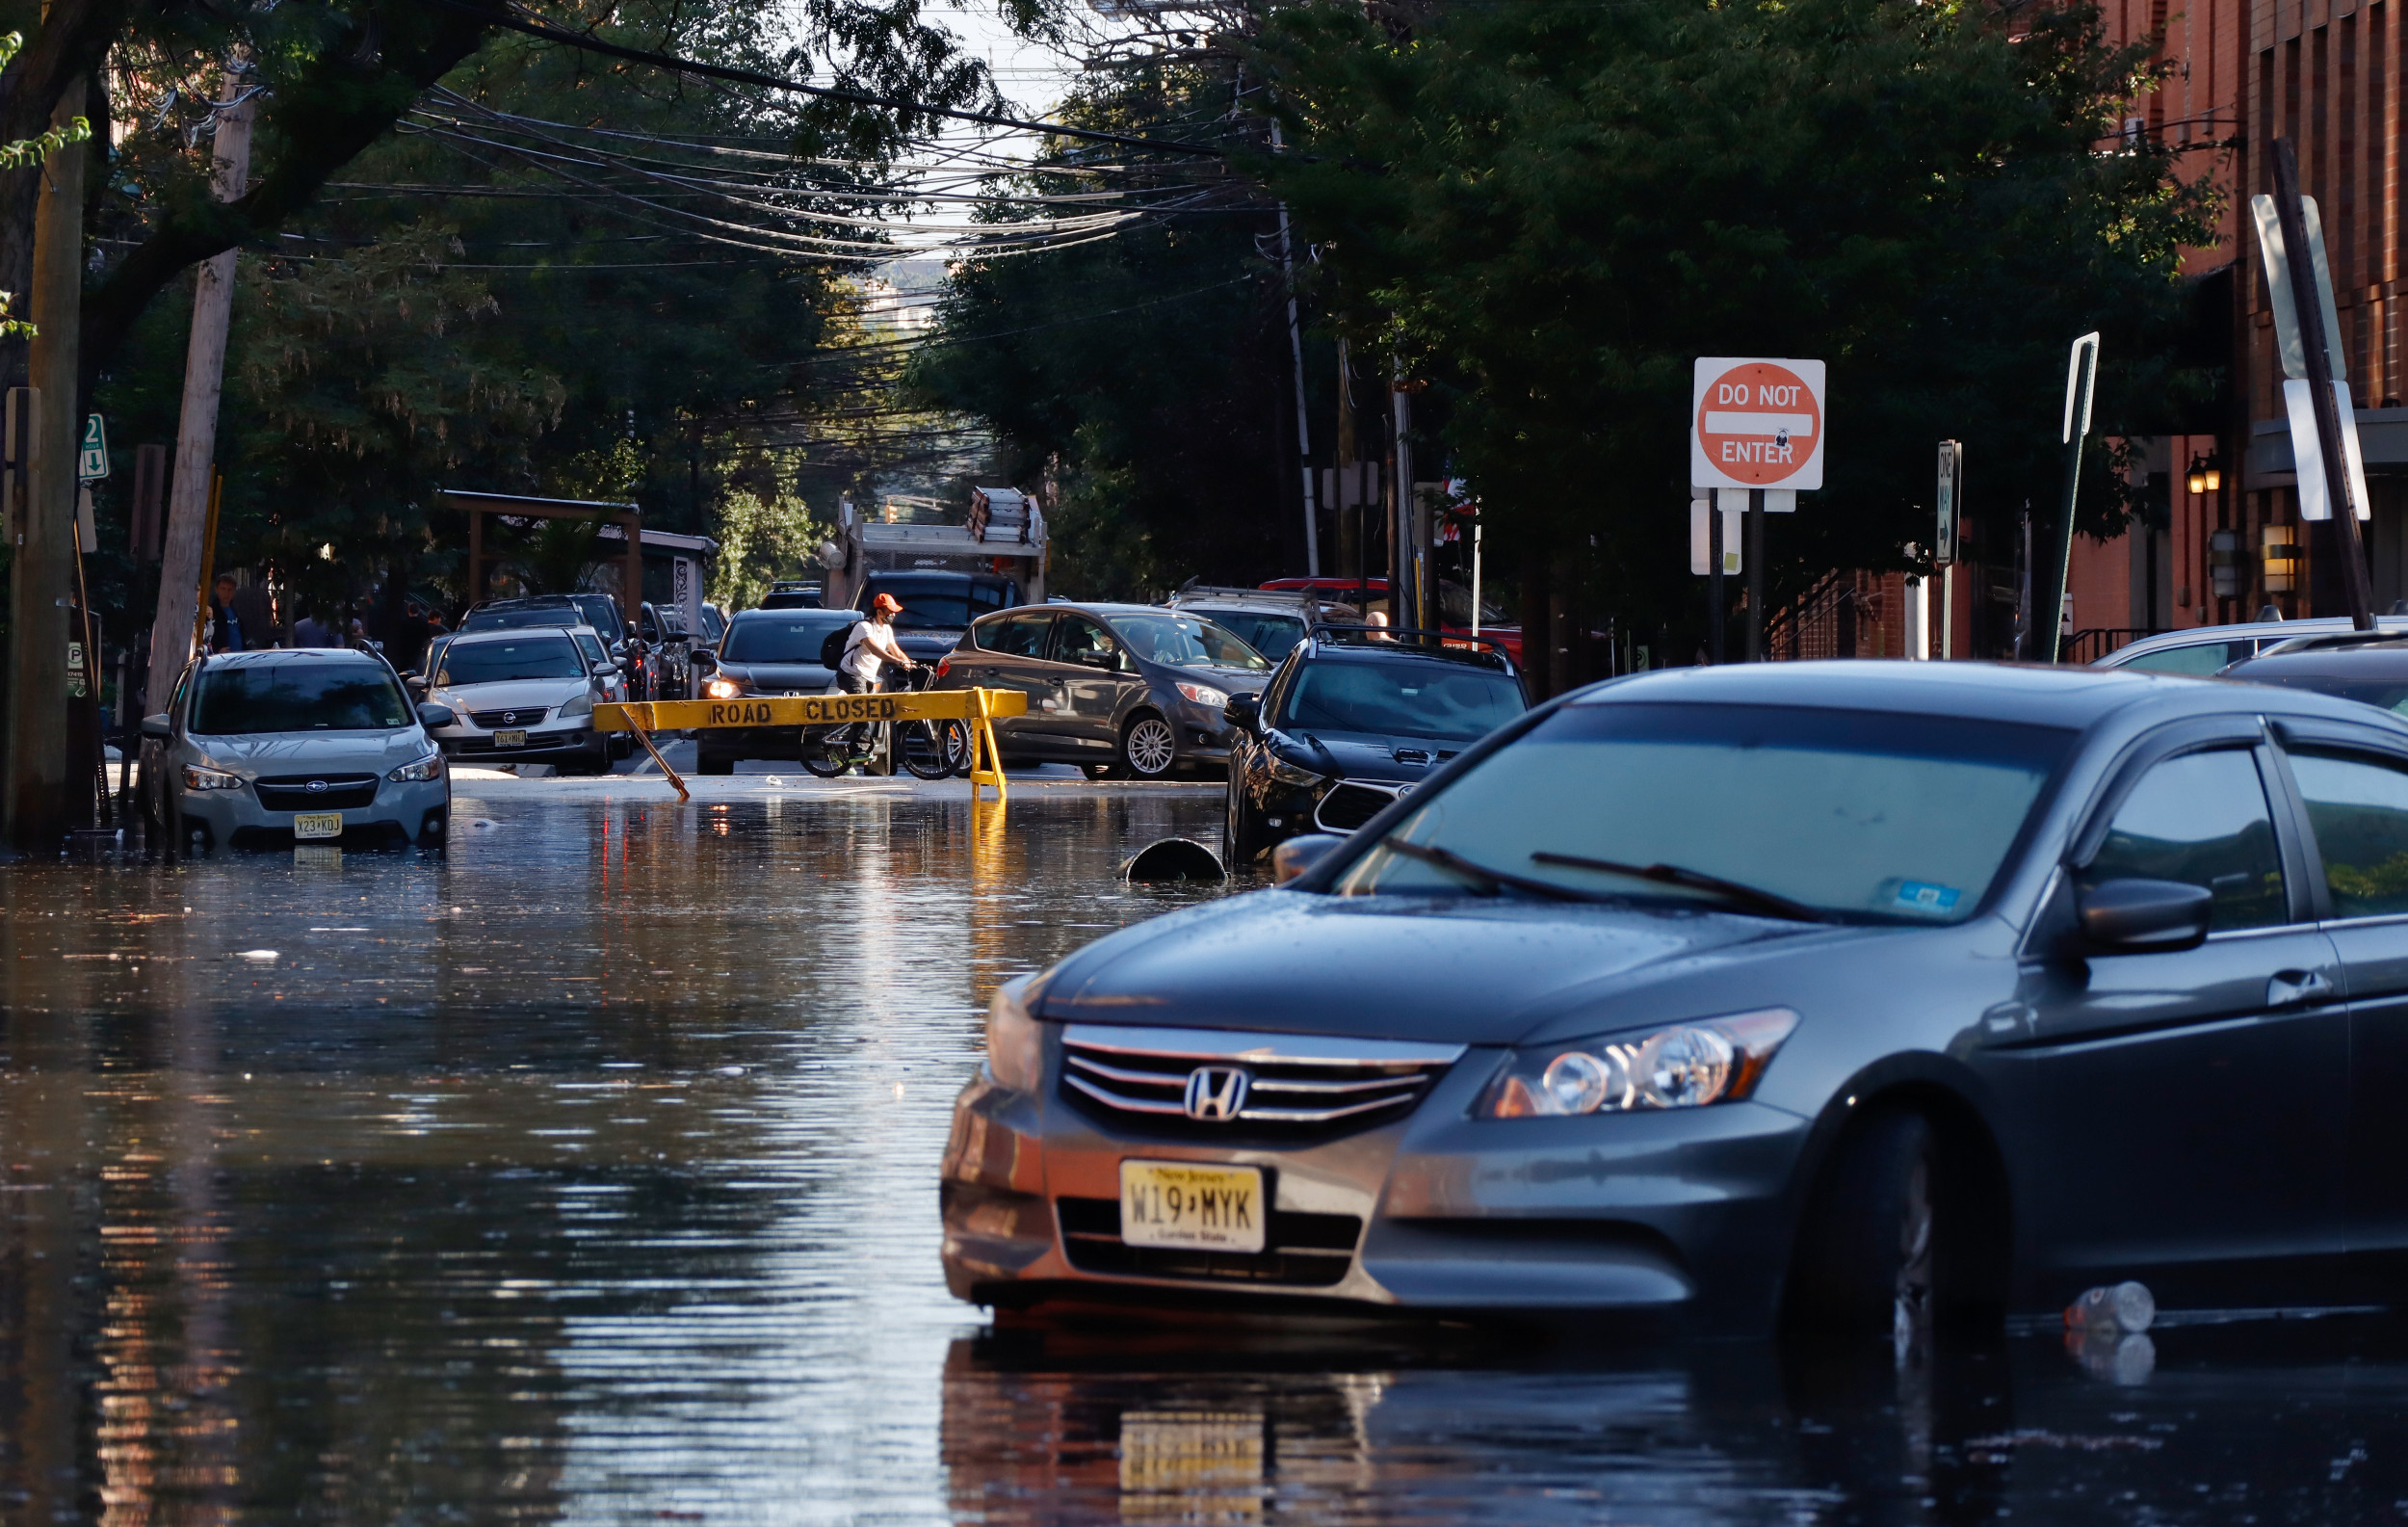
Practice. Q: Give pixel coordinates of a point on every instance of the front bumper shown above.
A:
(544, 744)
(1682, 1211)
(236, 818)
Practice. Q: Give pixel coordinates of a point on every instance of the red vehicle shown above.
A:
(1455, 606)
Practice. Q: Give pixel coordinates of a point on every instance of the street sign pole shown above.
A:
(1755, 559)
(1714, 582)
(1948, 504)
(2081, 375)
(2315, 342)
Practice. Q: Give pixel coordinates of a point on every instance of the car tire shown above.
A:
(712, 764)
(1870, 1253)
(1149, 749)
(1242, 834)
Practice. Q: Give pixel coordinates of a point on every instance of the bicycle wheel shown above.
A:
(821, 760)
(922, 749)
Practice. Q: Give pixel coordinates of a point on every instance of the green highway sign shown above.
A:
(94, 460)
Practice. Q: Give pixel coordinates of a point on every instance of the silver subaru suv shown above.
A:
(265, 750)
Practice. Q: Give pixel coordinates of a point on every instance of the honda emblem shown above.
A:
(1217, 1094)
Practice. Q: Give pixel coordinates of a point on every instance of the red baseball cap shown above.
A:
(886, 601)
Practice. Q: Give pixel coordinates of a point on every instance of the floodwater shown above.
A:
(587, 1172)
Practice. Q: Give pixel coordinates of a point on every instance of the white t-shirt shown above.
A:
(860, 660)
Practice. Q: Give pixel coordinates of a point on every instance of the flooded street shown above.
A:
(588, 1173)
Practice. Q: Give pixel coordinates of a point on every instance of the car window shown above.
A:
(1186, 641)
(1267, 632)
(2201, 818)
(795, 636)
(1014, 636)
(591, 647)
(519, 620)
(1078, 640)
(496, 662)
(2383, 694)
(1411, 698)
(2200, 657)
(2358, 810)
(1870, 816)
(298, 697)
(937, 603)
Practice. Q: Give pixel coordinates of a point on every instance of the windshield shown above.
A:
(495, 662)
(1271, 635)
(1455, 606)
(1186, 640)
(784, 638)
(519, 620)
(591, 645)
(937, 606)
(298, 697)
(1408, 698)
(2383, 694)
(1867, 816)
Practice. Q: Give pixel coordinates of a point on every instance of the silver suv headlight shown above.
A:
(430, 767)
(578, 705)
(1682, 1065)
(196, 777)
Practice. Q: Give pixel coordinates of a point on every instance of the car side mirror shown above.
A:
(2135, 916)
(432, 715)
(704, 660)
(1244, 712)
(1299, 854)
(158, 727)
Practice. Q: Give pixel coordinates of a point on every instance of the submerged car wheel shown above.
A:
(1241, 834)
(1148, 748)
(1870, 1257)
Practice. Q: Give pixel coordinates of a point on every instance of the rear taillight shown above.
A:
(944, 666)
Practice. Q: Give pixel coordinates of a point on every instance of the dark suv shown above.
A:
(1352, 719)
(937, 607)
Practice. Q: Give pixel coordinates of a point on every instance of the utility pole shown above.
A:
(2081, 379)
(42, 575)
(2314, 343)
(1403, 601)
(180, 549)
(1295, 354)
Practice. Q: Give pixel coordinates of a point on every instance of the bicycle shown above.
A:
(929, 750)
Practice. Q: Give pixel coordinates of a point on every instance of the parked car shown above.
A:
(937, 606)
(790, 595)
(1127, 689)
(260, 749)
(2372, 670)
(1346, 726)
(765, 652)
(667, 647)
(600, 611)
(1873, 995)
(1269, 620)
(2205, 649)
(714, 625)
(1455, 606)
(520, 696)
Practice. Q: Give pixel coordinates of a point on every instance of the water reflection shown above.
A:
(588, 1174)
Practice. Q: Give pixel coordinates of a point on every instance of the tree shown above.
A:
(1549, 208)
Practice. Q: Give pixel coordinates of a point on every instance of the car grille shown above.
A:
(527, 716)
(1310, 1083)
(292, 791)
(1352, 803)
(1299, 1250)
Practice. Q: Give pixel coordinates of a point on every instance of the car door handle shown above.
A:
(2291, 989)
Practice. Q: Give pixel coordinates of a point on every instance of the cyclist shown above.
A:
(868, 649)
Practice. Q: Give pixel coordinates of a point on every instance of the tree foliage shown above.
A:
(1549, 208)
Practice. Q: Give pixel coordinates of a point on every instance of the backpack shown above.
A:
(838, 642)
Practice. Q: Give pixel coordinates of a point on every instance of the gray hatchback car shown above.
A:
(263, 750)
(1870, 993)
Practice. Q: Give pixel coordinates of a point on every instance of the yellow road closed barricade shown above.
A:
(979, 707)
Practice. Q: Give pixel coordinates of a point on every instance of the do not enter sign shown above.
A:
(1756, 423)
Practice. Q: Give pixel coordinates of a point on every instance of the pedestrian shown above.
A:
(869, 647)
(254, 616)
(1377, 620)
(226, 627)
(310, 631)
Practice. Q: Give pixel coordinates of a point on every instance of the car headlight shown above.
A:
(430, 767)
(199, 778)
(1683, 1065)
(1288, 773)
(1204, 695)
(1015, 1041)
(721, 689)
(578, 705)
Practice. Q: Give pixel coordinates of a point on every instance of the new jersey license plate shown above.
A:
(510, 739)
(318, 825)
(1179, 1204)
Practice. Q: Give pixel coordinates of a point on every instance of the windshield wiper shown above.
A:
(1697, 880)
(1480, 875)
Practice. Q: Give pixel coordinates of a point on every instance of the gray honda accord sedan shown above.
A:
(1849, 994)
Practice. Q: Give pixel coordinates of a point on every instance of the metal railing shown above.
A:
(2093, 643)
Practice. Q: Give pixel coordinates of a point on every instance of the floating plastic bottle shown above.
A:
(2127, 1306)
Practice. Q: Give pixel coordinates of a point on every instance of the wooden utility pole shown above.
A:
(197, 432)
(42, 576)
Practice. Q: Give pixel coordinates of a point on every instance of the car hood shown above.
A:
(302, 751)
(1359, 755)
(776, 678)
(1456, 969)
(517, 694)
